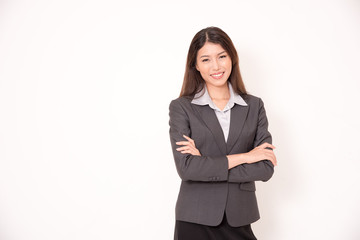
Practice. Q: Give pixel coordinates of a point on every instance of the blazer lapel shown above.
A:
(237, 120)
(208, 115)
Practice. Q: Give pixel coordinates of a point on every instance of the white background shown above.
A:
(78, 160)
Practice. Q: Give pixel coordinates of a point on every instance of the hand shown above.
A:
(189, 147)
(261, 153)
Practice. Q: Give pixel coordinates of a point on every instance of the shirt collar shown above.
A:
(203, 98)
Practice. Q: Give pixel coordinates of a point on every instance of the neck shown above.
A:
(218, 93)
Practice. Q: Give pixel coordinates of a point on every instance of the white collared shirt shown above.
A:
(222, 115)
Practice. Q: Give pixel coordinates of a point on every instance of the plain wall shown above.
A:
(78, 160)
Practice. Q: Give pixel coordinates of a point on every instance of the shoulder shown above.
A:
(180, 108)
(252, 100)
(183, 102)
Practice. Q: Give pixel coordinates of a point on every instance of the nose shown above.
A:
(215, 64)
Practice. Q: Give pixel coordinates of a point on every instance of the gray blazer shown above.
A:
(208, 187)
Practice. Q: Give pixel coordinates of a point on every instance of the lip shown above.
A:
(216, 73)
(219, 77)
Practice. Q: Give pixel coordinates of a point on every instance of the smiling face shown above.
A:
(214, 64)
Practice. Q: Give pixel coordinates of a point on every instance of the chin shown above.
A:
(218, 83)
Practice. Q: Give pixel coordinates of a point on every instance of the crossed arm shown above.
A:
(259, 153)
(257, 164)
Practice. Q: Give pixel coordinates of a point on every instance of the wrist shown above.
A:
(237, 159)
(242, 158)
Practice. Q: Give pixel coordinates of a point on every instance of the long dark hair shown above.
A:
(193, 82)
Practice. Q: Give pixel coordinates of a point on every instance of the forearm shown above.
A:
(240, 170)
(247, 172)
(202, 168)
(236, 159)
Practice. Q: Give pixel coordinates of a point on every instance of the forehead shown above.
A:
(210, 49)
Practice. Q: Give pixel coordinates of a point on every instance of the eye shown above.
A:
(205, 60)
(223, 56)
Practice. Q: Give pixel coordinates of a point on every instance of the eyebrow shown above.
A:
(208, 55)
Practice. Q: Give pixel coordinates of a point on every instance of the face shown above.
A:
(214, 64)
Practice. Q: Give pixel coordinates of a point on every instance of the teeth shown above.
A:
(218, 75)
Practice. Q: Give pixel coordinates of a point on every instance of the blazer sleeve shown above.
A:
(190, 167)
(262, 170)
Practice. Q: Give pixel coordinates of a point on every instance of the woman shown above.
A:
(221, 144)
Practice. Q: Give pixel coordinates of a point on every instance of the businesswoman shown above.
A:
(221, 144)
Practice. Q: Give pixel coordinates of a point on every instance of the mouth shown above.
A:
(217, 75)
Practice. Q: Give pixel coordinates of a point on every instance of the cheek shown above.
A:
(203, 70)
(229, 65)
(229, 70)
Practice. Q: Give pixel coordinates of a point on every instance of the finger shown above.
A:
(273, 157)
(187, 151)
(182, 148)
(268, 145)
(190, 140)
(273, 160)
(183, 143)
(268, 151)
(265, 145)
(191, 148)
